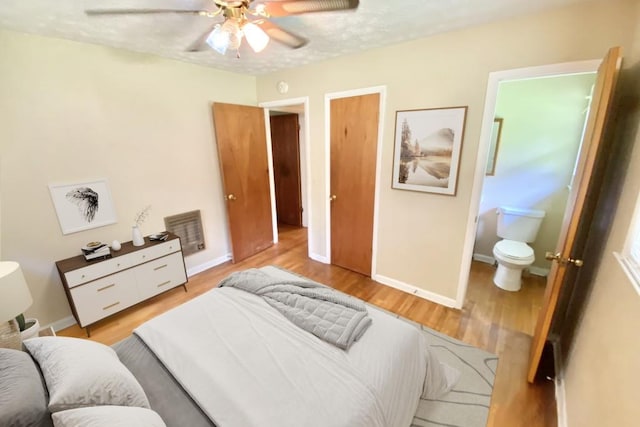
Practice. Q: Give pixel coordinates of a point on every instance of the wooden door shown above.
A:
(592, 148)
(286, 168)
(354, 144)
(242, 150)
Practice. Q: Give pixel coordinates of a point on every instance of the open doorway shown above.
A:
(287, 140)
(529, 184)
(287, 168)
(538, 129)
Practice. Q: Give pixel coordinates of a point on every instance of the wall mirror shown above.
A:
(496, 131)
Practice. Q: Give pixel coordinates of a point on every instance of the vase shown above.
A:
(138, 240)
(32, 329)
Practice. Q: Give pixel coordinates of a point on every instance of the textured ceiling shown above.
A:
(375, 23)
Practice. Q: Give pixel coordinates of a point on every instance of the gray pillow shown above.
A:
(83, 373)
(23, 398)
(107, 416)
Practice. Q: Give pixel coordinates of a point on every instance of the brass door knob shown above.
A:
(333, 197)
(557, 257)
(231, 197)
(576, 262)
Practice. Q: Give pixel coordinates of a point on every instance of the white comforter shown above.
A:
(246, 365)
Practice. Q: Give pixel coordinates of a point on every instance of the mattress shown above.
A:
(246, 365)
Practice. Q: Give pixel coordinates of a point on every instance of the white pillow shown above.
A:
(107, 416)
(83, 373)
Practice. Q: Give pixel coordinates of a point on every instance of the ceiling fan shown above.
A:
(238, 19)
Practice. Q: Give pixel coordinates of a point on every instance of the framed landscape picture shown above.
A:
(427, 149)
(83, 205)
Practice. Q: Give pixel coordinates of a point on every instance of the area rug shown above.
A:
(467, 404)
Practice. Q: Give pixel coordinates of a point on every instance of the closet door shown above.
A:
(354, 144)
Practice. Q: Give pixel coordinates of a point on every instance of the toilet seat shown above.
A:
(512, 250)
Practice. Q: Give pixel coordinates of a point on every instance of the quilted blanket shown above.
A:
(326, 313)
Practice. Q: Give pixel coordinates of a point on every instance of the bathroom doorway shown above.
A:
(539, 127)
(541, 113)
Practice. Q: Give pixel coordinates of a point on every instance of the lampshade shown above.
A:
(232, 27)
(15, 297)
(219, 40)
(255, 36)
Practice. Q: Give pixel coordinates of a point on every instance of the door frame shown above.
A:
(306, 201)
(328, 97)
(495, 78)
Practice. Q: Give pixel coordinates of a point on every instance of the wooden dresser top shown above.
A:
(79, 261)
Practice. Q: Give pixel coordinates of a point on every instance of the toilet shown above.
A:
(516, 227)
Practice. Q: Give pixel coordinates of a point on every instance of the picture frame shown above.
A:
(496, 133)
(83, 206)
(428, 145)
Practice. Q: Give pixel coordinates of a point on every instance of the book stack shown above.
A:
(94, 250)
(159, 236)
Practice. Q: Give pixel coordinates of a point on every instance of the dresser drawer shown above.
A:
(99, 269)
(156, 251)
(106, 296)
(160, 275)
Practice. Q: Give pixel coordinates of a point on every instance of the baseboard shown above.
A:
(539, 271)
(561, 397)
(61, 324)
(207, 265)
(320, 258)
(484, 258)
(410, 289)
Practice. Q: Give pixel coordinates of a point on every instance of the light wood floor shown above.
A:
(495, 320)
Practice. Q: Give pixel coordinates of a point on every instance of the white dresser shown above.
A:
(99, 288)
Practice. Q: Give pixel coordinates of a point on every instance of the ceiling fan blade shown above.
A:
(296, 7)
(140, 11)
(280, 35)
(199, 44)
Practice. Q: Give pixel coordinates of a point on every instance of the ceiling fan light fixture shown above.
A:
(219, 40)
(256, 37)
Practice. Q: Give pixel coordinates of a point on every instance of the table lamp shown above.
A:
(15, 298)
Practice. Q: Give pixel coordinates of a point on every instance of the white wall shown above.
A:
(542, 127)
(72, 112)
(421, 236)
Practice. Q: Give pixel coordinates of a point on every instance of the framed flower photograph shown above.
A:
(427, 150)
(83, 206)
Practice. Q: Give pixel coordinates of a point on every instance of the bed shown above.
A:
(227, 358)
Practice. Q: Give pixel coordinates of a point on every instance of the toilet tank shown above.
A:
(518, 224)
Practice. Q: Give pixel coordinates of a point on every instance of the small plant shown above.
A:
(21, 322)
(142, 215)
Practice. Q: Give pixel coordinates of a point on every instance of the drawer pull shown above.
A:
(106, 287)
(164, 283)
(111, 305)
(159, 267)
